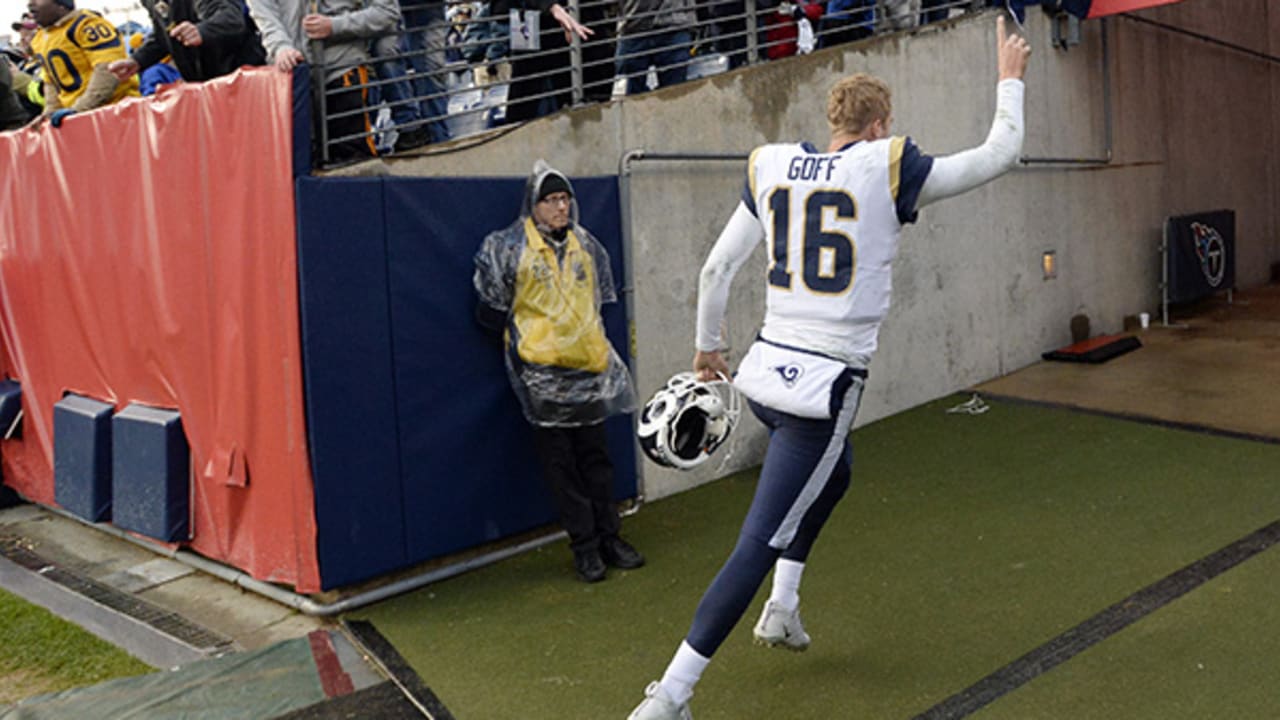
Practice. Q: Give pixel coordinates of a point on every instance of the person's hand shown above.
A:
(708, 366)
(186, 33)
(1012, 52)
(317, 27)
(570, 24)
(57, 116)
(123, 69)
(287, 59)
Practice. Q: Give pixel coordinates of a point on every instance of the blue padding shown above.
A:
(418, 447)
(10, 408)
(350, 391)
(469, 470)
(82, 457)
(150, 473)
(302, 120)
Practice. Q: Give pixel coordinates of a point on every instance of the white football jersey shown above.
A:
(831, 223)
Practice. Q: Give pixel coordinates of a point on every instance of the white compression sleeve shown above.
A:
(740, 236)
(964, 171)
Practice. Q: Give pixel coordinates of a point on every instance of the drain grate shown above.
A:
(175, 626)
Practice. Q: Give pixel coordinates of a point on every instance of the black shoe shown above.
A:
(589, 566)
(619, 553)
(410, 139)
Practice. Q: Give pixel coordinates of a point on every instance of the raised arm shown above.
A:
(955, 174)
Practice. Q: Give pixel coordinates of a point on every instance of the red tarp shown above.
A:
(1100, 8)
(147, 254)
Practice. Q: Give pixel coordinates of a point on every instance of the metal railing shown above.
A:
(452, 72)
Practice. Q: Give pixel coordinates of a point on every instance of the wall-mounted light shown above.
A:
(1049, 263)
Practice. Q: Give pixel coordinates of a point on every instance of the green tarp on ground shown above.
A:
(258, 684)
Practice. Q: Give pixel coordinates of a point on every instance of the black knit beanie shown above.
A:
(554, 182)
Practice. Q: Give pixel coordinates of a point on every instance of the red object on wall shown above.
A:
(1101, 8)
(147, 254)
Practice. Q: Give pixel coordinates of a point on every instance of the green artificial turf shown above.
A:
(1210, 654)
(42, 653)
(965, 542)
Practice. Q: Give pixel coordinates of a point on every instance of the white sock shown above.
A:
(683, 673)
(786, 584)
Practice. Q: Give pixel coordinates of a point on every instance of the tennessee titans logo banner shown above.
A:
(1212, 252)
(1201, 254)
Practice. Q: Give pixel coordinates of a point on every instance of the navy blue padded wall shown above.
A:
(10, 426)
(469, 471)
(150, 473)
(347, 373)
(10, 409)
(418, 447)
(82, 457)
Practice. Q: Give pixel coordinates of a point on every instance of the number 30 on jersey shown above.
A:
(828, 256)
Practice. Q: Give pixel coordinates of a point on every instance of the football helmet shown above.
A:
(686, 420)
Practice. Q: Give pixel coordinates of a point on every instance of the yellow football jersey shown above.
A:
(69, 50)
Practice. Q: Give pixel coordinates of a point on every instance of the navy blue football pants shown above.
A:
(805, 473)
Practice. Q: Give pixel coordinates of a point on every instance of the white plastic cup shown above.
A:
(1144, 319)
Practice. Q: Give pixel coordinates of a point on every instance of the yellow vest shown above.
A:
(554, 309)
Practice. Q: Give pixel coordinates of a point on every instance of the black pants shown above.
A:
(577, 469)
(540, 81)
(349, 94)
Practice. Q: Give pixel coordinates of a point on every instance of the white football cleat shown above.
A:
(781, 627)
(657, 705)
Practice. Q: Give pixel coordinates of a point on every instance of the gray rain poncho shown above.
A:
(549, 290)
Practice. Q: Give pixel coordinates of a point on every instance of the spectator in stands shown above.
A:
(336, 36)
(932, 11)
(846, 21)
(598, 52)
(541, 281)
(539, 61)
(26, 29)
(729, 25)
(459, 16)
(419, 105)
(162, 73)
(397, 93)
(657, 33)
(205, 38)
(486, 43)
(85, 44)
(12, 113)
(898, 15)
(28, 83)
(782, 27)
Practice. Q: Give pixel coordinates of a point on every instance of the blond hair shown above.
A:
(857, 101)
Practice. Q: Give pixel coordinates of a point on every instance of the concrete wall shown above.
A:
(1194, 126)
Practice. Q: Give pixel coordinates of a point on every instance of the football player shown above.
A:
(829, 220)
(74, 48)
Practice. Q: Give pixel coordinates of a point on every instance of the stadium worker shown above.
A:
(75, 48)
(541, 281)
(830, 222)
